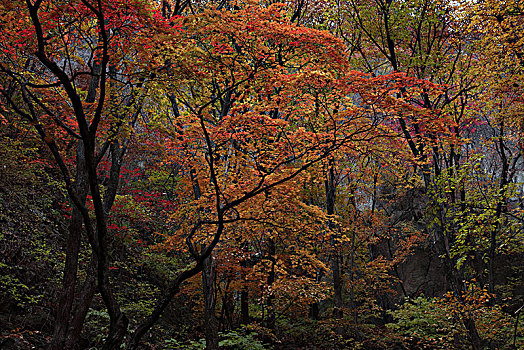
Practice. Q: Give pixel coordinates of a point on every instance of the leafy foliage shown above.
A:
(319, 165)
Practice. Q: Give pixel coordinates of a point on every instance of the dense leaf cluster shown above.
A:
(184, 174)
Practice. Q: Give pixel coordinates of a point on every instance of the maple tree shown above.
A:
(239, 148)
(297, 173)
(69, 54)
(431, 40)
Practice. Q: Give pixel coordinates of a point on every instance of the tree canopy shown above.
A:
(183, 174)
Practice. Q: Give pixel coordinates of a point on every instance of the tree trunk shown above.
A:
(244, 297)
(314, 311)
(501, 208)
(457, 286)
(271, 318)
(335, 258)
(210, 319)
(82, 307)
(74, 238)
(67, 295)
(474, 337)
(244, 306)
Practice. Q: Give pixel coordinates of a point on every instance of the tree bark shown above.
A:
(244, 297)
(335, 258)
(271, 317)
(82, 307)
(210, 319)
(244, 306)
(74, 238)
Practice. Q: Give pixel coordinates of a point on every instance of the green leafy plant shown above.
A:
(422, 322)
(233, 340)
(240, 340)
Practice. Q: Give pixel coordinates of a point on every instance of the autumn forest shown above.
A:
(249, 174)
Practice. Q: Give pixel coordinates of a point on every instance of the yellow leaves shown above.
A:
(499, 48)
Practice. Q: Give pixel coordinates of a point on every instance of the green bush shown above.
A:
(232, 340)
(422, 321)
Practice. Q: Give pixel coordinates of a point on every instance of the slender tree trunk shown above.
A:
(314, 311)
(337, 287)
(501, 207)
(119, 321)
(271, 317)
(244, 306)
(314, 308)
(335, 259)
(210, 319)
(208, 283)
(82, 307)
(457, 286)
(66, 332)
(352, 281)
(74, 238)
(67, 295)
(244, 297)
(228, 309)
(474, 337)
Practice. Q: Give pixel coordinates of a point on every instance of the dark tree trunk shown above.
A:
(244, 306)
(314, 308)
(501, 208)
(271, 318)
(74, 238)
(228, 309)
(244, 297)
(314, 311)
(457, 286)
(210, 319)
(82, 307)
(335, 258)
(474, 337)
